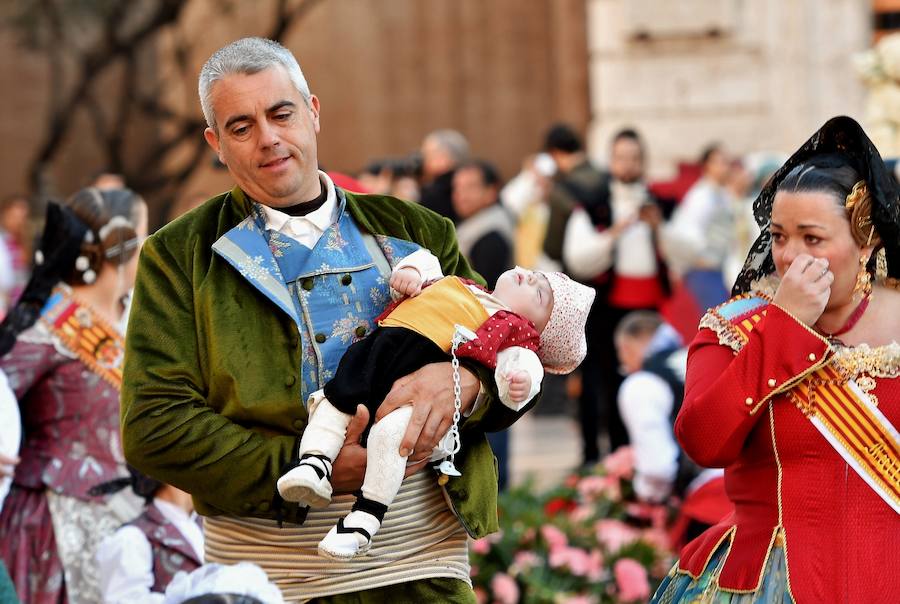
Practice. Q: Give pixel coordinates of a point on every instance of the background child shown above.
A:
(654, 359)
(530, 321)
(139, 560)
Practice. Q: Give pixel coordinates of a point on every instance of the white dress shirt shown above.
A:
(306, 230)
(645, 404)
(125, 558)
(588, 252)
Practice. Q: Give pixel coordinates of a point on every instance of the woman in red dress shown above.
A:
(793, 386)
(61, 348)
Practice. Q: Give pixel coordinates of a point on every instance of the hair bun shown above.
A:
(859, 213)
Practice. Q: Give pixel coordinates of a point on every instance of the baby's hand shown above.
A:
(407, 281)
(519, 385)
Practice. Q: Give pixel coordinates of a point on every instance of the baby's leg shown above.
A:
(384, 474)
(309, 483)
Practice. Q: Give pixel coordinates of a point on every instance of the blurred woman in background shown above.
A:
(62, 352)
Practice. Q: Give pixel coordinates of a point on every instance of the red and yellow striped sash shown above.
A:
(855, 428)
(746, 324)
(844, 414)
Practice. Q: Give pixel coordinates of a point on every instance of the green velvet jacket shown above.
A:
(211, 395)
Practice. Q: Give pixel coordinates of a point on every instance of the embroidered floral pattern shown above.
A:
(258, 215)
(334, 240)
(380, 295)
(278, 244)
(248, 224)
(332, 290)
(387, 247)
(254, 269)
(345, 328)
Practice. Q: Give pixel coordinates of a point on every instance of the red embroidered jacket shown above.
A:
(842, 541)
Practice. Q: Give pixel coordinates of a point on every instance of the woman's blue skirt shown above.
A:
(681, 588)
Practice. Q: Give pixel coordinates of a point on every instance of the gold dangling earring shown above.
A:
(863, 285)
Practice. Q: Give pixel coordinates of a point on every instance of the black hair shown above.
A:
(116, 243)
(410, 165)
(627, 133)
(708, 151)
(489, 174)
(827, 173)
(562, 137)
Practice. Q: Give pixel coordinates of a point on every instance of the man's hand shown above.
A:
(406, 281)
(519, 385)
(805, 288)
(430, 391)
(349, 468)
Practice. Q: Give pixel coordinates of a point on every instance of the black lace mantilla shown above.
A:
(839, 135)
(60, 243)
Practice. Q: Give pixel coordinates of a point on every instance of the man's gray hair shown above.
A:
(454, 143)
(246, 56)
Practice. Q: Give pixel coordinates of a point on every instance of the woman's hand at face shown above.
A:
(805, 288)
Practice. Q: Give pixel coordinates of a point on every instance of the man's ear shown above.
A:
(213, 140)
(314, 107)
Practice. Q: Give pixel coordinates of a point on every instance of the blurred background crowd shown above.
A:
(622, 141)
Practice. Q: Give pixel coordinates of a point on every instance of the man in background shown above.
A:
(485, 236)
(442, 152)
(609, 241)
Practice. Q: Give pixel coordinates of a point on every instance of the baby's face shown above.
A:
(527, 293)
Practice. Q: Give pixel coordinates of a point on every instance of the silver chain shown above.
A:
(451, 441)
(457, 398)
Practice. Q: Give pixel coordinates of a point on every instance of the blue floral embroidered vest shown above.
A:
(333, 292)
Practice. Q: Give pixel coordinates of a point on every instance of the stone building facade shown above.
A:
(755, 75)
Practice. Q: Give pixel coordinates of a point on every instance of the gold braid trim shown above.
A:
(727, 333)
(863, 364)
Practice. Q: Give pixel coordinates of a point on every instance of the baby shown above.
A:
(531, 321)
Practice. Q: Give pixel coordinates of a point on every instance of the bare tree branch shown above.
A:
(92, 64)
(83, 40)
(286, 16)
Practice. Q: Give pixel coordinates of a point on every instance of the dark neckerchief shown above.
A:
(304, 208)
